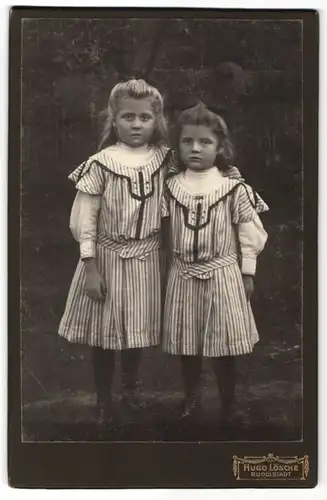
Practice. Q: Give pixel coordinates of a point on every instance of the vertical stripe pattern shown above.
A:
(128, 256)
(206, 310)
(131, 196)
(131, 314)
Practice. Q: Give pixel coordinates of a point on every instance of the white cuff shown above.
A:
(87, 249)
(249, 265)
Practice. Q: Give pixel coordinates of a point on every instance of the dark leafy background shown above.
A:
(252, 71)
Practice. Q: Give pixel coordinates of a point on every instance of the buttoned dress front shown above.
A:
(127, 250)
(206, 309)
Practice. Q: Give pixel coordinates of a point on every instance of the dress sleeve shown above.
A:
(84, 221)
(252, 238)
(246, 204)
(89, 177)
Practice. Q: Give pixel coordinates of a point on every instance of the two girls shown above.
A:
(114, 301)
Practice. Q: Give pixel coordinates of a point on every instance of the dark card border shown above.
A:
(160, 465)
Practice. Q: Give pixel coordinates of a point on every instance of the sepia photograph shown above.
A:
(161, 229)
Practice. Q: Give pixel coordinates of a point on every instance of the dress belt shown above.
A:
(203, 269)
(131, 248)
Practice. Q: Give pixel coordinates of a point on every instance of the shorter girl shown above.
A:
(216, 236)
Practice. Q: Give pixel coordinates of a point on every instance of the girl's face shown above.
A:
(135, 121)
(198, 147)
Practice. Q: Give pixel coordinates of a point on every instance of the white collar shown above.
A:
(138, 150)
(201, 175)
(203, 181)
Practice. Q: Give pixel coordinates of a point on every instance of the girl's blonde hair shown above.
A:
(200, 114)
(136, 89)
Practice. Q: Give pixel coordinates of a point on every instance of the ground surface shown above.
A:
(268, 405)
(58, 390)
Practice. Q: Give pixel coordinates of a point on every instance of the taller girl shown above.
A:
(114, 300)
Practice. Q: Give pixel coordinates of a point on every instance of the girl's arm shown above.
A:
(83, 225)
(234, 173)
(173, 168)
(252, 237)
(246, 205)
(84, 221)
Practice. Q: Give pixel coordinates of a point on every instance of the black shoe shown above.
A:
(104, 413)
(230, 418)
(226, 417)
(129, 406)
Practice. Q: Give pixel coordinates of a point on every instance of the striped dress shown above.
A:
(127, 253)
(206, 309)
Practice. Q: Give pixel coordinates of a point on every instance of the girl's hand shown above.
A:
(248, 285)
(95, 285)
(234, 173)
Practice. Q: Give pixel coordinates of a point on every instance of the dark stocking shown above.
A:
(224, 369)
(191, 368)
(103, 366)
(130, 360)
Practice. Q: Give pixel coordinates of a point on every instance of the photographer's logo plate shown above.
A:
(271, 467)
